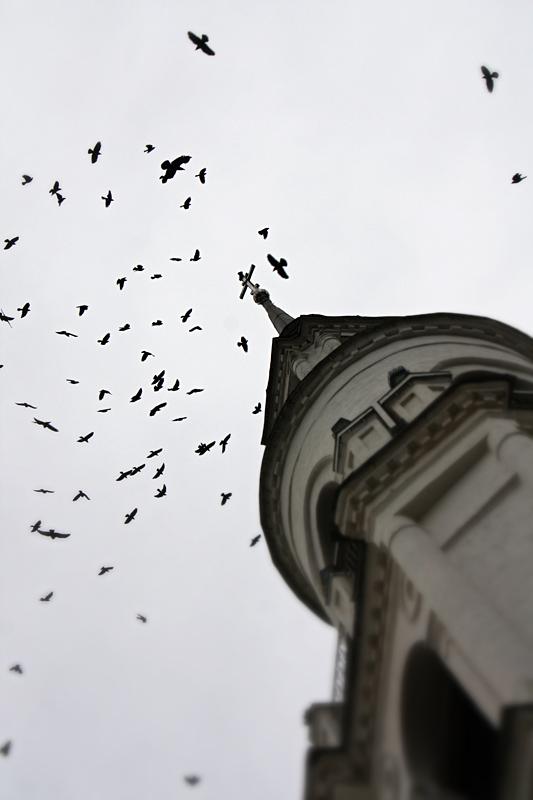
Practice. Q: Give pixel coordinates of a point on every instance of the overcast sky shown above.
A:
(363, 135)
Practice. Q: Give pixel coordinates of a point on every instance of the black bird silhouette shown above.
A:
(130, 516)
(278, 265)
(171, 167)
(24, 310)
(161, 492)
(158, 377)
(47, 598)
(12, 242)
(192, 780)
(176, 259)
(488, 78)
(16, 668)
(176, 386)
(86, 438)
(159, 472)
(67, 334)
(263, 232)
(156, 276)
(517, 177)
(195, 391)
(103, 570)
(121, 282)
(44, 491)
(136, 396)
(225, 498)
(157, 323)
(224, 443)
(201, 43)
(103, 410)
(138, 268)
(157, 408)
(95, 152)
(243, 343)
(6, 748)
(52, 534)
(187, 203)
(26, 405)
(135, 470)
(60, 199)
(204, 448)
(27, 179)
(125, 327)
(196, 328)
(104, 339)
(149, 148)
(35, 527)
(201, 175)
(79, 495)
(102, 393)
(55, 188)
(154, 453)
(186, 316)
(69, 380)
(5, 318)
(123, 475)
(179, 419)
(159, 385)
(254, 541)
(108, 199)
(257, 409)
(196, 256)
(141, 618)
(45, 424)
(82, 309)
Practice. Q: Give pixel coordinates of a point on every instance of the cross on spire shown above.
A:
(247, 283)
(277, 316)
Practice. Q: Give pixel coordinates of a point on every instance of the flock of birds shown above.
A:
(170, 169)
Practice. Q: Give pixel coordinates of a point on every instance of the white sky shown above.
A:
(362, 134)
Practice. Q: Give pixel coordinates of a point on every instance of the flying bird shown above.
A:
(141, 618)
(102, 393)
(159, 377)
(196, 256)
(488, 78)
(225, 498)
(243, 343)
(27, 179)
(263, 232)
(125, 327)
(53, 534)
(161, 492)
(187, 203)
(35, 527)
(138, 268)
(149, 148)
(123, 475)
(121, 282)
(82, 309)
(24, 310)
(154, 453)
(86, 438)
(108, 199)
(5, 318)
(254, 541)
(60, 199)
(157, 408)
(224, 443)
(257, 409)
(95, 152)
(104, 339)
(26, 405)
(186, 316)
(44, 491)
(16, 668)
(80, 494)
(171, 167)
(135, 470)
(196, 328)
(159, 472)
(55, 188)
(195, 391)
(136, 396)
(6, 748)
(192, 780)
(204, 448)
(45, 424)
(12, 242)
(69, 380)
(67, 334)
(201, 43)
(157, 323)
(130, 516)
(47, 598)
(176, 259)
(278, 265)
(176, 386)
(517, 177)
(179, 419)
(156, 276)
(103, 410)
(201, 175)
(103, 570)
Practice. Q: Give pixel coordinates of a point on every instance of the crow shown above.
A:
(176, 386)
(104, 339)
(45, 424)
(159, 377)
(145, 354)
(44, 491)
(487, 77)
(138, 268)
(192, 780)
(35, 527)
(80, 494)
(196, 328)
(103, 410)
(171, 167)
(12, 242)
(108, 199)
(86, 438)
(47, 598)
(130, 516)
(154, 453)
(159, 472)
(161, 492)
(6, 748)
(278, 265)
(27, 179)
(201, 175)
(179, 419)
(102, 393)
(254, 541)
(16, 668)
(103, 570)
(196, 256)
(125, 327)
(263, 232)
(257, 409)
(123, 475)
(157, 408)
(204, 448)
(67, 334)
(135, 470)
(60, 199)
(517, 177)
(24, 310)
(225, 498)
(243, 343)
(121, 282)
(156, 276)
(55, 188)
(95, 152)
(224, 443)
(136, 396)
(149, 148)
(82, 310)
(69, 380)
(186, 316)
(159, 385)
(52, 534)
(187, 203)
(157, 323)
(201, 44)
(26, 405)
(5, 318)
(194, 391)
(176, 259)
(141, 618)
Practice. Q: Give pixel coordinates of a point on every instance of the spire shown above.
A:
(278, 317)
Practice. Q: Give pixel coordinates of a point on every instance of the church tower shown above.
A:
(396, 498)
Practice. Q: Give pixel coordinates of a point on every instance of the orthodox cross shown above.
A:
(247, 283)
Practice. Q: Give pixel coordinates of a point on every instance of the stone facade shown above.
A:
(396, 498)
